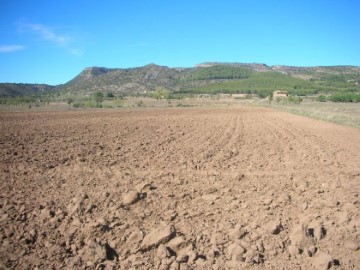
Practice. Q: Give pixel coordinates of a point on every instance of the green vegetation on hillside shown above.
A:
(220, 72)
(340, 97)
(9, 90)
(31, 100)
(340, 83)
(265, 83)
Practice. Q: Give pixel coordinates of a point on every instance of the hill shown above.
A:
(213, 77)
(125, 81)
(24, 89)
(209, 77)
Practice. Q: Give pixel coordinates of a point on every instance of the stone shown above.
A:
(176, 243)
(182, 258)
(260, 247)
(293, 251)
(44, 214)
(319, 232)
(185, 266)
(183, 254)
(131, 198)
(173, 216)
(235, 252)
(298, 236)
(272, 252)
(237, 233)
(305, 206)
(90, 208)
(214, 252)
(102, 223)
(267, 201)
(322, 261)
(158, 236)
(192, 256)
(239, 177)
(342, 217)
(218, 238)
(93, 252)
(274, 227)
(136, 236)
(250, 254)
(76, 222)
(351, 245)
(311, 251)
(258, 258)
(163, 252)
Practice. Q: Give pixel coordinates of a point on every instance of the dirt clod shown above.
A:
(131, 198)
(158, 236)
(322, 261)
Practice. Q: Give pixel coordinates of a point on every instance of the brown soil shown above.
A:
(178, 189)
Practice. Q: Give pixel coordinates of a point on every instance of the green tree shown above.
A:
(109, 95)
(69, 100)
(98, 97)
(271, 97)
(160, 93)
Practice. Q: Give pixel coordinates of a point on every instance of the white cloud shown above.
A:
(48, 34)
(63, 40)
(11, 48)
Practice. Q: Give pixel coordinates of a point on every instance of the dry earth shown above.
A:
(219, 188)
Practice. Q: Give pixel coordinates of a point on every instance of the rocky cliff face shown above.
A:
(94, 71)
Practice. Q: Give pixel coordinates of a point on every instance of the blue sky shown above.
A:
(43, 41)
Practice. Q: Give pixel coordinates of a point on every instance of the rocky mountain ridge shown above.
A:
(149, 77)
(24, 89)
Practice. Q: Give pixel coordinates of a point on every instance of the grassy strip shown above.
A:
(346, 114)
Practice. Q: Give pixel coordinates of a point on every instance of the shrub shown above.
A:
(160, 93)
(78, 105)
(346, 97)
(110, 95)
(140, 103)
(98, 97)
(296, 100)
(69, 100)
(321, 98)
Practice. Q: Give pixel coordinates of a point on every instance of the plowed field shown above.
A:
(178, 189)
